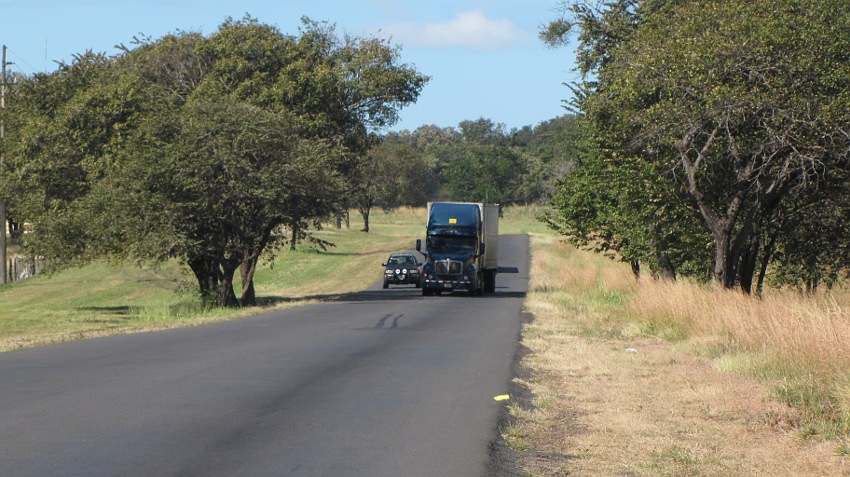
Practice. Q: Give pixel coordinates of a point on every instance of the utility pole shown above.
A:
(3, 221)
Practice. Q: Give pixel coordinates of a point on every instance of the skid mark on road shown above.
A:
(383, 321)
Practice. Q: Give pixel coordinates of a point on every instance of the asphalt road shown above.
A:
(382, 383)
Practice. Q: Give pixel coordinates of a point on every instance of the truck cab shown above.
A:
(456, 248)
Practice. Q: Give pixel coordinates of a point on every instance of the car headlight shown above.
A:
(388, 272)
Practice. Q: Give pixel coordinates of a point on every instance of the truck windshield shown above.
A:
(442, 244)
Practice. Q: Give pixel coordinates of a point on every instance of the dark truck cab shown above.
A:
(461, 248)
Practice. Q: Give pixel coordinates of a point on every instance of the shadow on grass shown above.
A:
(345, 254)
(123, 311)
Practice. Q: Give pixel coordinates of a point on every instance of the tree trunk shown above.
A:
(812, 286)
(747, 266)
(721, 256)
(635, 268)
(249, 296)
(208, 274)
(765, 261)
(246, 271)
(226, 297)
(296, 229)
(666, 269)
(248, 267)
(364, 211)
(721, 226)
(15, 230)
(215, 281)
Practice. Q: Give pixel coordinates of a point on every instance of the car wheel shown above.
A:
(386, 285)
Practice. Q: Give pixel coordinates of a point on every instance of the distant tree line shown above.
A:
(715, 138)
(199, 148)
(477, 161)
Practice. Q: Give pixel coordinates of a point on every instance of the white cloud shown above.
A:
(469, 29)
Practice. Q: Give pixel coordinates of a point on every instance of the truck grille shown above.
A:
(448, 266)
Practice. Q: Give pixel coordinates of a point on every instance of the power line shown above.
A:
(20, 60)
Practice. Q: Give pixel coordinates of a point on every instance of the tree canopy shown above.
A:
(199, 148)
(718, 122)
(481, 161)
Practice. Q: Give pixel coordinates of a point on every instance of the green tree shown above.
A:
(482, 173)
(550, 151)
(224, 176)
(483, 131)
(534, 156)
(68, 129)
(801, 261)
(736, 107)
(393, 174)
(203, 147)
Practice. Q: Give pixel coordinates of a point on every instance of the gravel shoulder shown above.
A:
(586, 404)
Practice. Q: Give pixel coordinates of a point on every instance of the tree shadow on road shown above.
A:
(392, 294)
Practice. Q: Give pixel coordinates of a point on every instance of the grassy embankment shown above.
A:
(642, 378)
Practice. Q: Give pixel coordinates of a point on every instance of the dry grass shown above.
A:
(632, 378)
(805, 333)
(799, 345)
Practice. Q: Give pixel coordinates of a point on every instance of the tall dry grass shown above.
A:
(798, 345)
(802, 333)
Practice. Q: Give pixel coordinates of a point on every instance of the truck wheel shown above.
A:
(489, 282)
(476, 288)
(386, 285)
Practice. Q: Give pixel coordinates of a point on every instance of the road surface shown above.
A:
(381, 383)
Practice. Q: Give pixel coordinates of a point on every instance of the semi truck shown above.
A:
(461, 248)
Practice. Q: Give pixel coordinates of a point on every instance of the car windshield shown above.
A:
(451, 244)
(402, 260)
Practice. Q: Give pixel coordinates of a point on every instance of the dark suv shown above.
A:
(401, 269)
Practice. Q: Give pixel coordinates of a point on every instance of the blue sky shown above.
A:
(484, 57)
